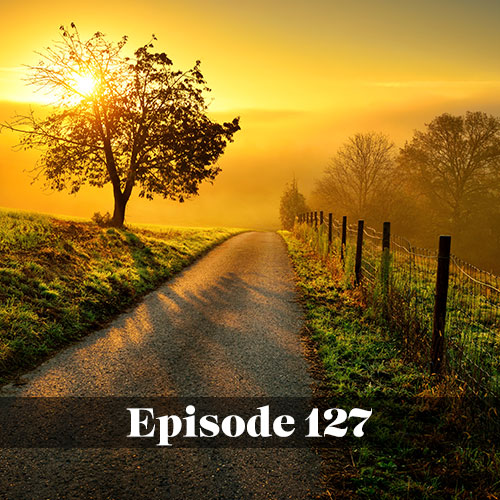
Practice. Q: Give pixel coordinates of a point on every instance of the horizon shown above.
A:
(303, 78)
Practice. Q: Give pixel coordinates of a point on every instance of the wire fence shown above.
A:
(404, 285)
(473, 324)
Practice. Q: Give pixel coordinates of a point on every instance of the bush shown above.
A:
(103, 220)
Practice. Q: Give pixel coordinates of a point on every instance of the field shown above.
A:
(61, 278)
(418, 443)
(405, 299)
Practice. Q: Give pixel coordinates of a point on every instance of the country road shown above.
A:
(229, 325)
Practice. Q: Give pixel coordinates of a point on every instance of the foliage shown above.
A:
(128, 122)
(454, 162)
(445, 180)
(292, 204)
(59, 279)
(102, 220)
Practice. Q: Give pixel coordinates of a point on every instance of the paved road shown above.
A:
(226, 326)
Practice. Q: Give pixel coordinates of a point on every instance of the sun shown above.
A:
(84, 85)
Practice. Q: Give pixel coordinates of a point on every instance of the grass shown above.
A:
(59, 279)
(473, 307)
(417, 444)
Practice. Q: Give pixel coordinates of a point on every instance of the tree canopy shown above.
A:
(292, 204)
(454, 162)
(126, 121)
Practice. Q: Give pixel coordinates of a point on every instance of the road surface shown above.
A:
(229, 325)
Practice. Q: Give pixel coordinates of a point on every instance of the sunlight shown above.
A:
(84, 85)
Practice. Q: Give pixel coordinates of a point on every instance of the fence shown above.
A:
(446, 310)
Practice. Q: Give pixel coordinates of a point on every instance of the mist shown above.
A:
(272, 147)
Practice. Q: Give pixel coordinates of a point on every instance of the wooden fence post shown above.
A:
(321, 218)
(441, 297)
(330, 229)
(343, 242)
(316, 220)
(385, 266)
(359, 252)
(386, 236)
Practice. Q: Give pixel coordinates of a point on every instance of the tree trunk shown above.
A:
(119, 211)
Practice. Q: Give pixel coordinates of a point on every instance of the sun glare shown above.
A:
(85, 84)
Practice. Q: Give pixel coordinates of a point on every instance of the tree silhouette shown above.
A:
(292, 204)
(128, 121)
(455, 163)
(359, 177)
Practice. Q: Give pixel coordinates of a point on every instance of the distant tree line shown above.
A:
(445, 179)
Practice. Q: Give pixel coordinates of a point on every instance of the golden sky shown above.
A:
(303, 76)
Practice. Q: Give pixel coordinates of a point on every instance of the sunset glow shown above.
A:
(232, 233)
(303, 76)
(84, 84)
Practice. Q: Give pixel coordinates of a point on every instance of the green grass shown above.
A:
(407, 301)
(417, 445)
(59, 279)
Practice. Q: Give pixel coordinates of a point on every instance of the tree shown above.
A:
(454, 163)
(125, 121)
(360, 176)
(292, 204)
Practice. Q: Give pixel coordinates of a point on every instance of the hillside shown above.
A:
(59, 279)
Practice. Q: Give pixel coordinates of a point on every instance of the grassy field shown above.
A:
(417, 444)
(59, 279)
(407, 301)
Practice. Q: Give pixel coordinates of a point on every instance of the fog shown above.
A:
(271, 147)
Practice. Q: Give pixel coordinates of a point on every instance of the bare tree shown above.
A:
(358, 178)
(454, 163)
(122, 121)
